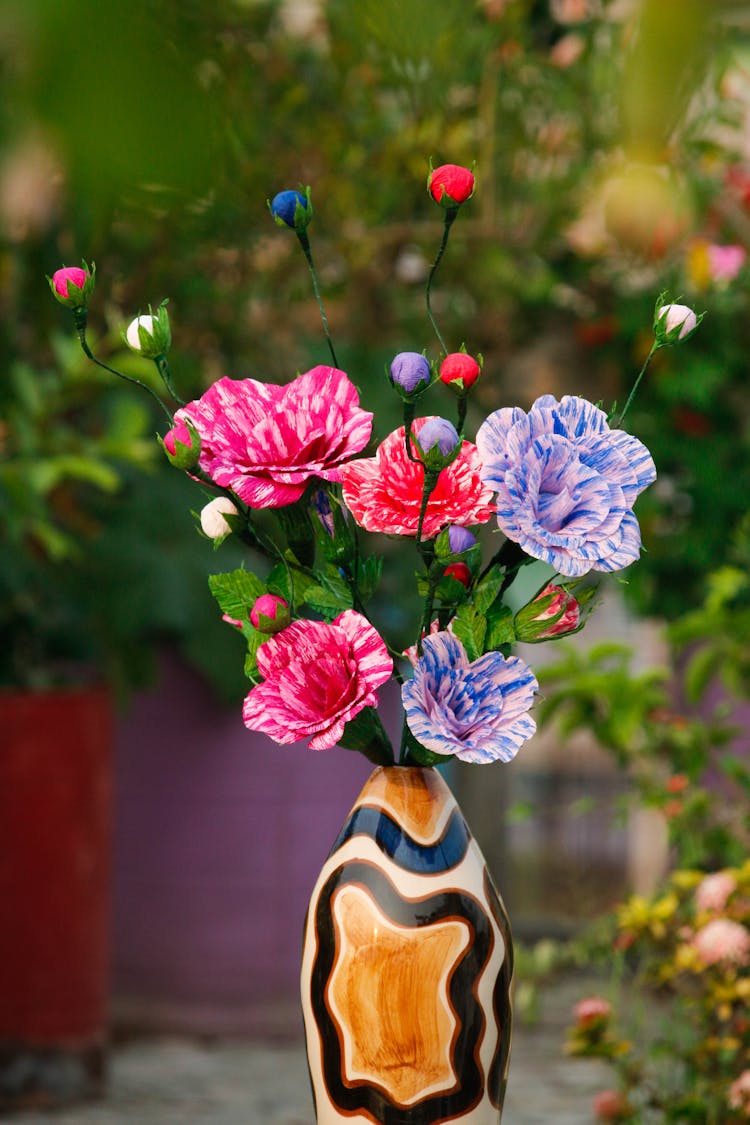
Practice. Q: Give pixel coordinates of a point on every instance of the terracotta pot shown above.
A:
(407, 964)
(55, 814)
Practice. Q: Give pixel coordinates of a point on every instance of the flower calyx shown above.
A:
(150, 334)
(270, 614)
(182, 445)
(409, 374)
(554, 611)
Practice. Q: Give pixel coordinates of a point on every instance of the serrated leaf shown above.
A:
(470, 628)
(328, 603)
(236, 592)
(488, 589)
(251, 657)
(500, 628)
(289, 584)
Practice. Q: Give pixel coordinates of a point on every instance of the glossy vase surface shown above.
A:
(407, 964)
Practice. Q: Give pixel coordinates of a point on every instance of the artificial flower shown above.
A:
(475, 710)
(384, 492)
(317, 677)
(213, 517)
(291, 209)
(451, 184)
(566, 483)
(265, 442)
(554, 612)
(460, 370)
(410, 372)
(72, 285)
(270, 613)
(675, 322)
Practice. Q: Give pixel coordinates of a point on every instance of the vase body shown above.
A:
(55, 826)
(407, 964)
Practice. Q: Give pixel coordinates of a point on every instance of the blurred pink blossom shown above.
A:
(713, 891)
(725, 262)
(739, 1093)
(722, 940)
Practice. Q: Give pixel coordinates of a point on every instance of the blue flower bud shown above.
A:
(291, 209)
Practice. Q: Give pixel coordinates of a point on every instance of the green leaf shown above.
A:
(488, 589)
(366, 734)
(329, 600)
(368, 575)
(236, 592)
(470, 628)
(289, 584)
(254, 640)
(500, 628)
(700, 671)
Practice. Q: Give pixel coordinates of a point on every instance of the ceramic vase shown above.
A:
(407, 964)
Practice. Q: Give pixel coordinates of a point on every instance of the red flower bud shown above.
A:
(460, 369)
(270, 613)
(460, 572)
(451, 185)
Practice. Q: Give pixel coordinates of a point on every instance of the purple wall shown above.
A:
(219, 838)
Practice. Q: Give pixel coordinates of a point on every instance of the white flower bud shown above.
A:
(213, 522)
(147, 323)
(677, 317)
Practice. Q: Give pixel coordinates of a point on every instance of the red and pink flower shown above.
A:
(384, 492)
(317, 677)
(265, 441)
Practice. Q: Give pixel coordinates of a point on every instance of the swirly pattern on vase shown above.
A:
(407, 964)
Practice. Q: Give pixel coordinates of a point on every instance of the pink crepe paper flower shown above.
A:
(265, 441)
(722, 940)
(317, 677)
(712, 892)
(61, 277)
(384, 492)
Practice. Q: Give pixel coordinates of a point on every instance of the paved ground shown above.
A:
(180, 1082)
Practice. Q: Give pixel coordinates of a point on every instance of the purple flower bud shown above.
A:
(438, 432)
(460, 539)
(410, 371)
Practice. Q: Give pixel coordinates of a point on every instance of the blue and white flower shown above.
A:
(475, 710)
(566, 483)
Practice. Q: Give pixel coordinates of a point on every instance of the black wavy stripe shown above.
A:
(398, 845)
(501, 1005)
(471, 1021)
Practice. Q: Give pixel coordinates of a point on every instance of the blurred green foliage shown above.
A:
(608, 144)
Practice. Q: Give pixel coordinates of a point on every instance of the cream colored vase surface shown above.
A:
(407, 964)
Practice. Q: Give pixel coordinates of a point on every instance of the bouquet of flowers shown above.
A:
(559, 481)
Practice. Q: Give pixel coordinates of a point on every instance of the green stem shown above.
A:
(450, 216)
(162, 366)
(641, 373)
(304, 242)
(80, 318)
(463, 403)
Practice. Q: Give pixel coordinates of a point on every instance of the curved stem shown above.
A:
(450, 216)
(81, 329)
(305, 244)
(463, 403)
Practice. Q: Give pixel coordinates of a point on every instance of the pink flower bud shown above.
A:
(72, 285)
(451, 184)
(182, 445)
(460, 369)
(675, 322)
(270, 613)
(552, 613)
(60, 279)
